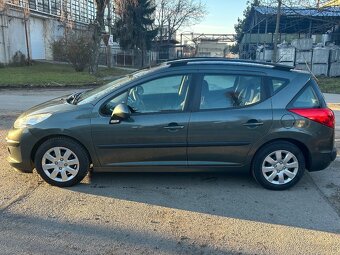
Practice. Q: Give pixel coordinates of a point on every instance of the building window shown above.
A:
(56, 7)
(43, 6)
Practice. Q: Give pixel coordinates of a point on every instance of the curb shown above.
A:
(32, 87)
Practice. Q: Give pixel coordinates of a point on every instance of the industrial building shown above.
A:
(309, 37)
(29, 26)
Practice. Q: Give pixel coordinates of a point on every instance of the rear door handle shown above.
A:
(253, 123)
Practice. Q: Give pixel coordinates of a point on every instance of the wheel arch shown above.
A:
(303, 148)
(44, 139)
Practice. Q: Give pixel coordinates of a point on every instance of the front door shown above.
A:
(156, 132)
(231, 115)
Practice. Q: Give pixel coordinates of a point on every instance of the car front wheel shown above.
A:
(61, 162)
(278, 166)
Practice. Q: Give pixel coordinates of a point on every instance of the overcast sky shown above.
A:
(221, 17)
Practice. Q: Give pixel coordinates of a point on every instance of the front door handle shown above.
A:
(253, 123)
(173, 126)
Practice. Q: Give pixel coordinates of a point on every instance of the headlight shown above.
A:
(30, 120)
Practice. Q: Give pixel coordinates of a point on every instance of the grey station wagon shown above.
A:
(186, 115)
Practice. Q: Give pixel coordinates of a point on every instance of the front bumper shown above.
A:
(20, 144)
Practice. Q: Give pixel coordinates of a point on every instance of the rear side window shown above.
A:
(306, 99)
(230, 91)
(277, 84)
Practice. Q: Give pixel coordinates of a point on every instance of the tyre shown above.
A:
(278, 166)
(61, 162)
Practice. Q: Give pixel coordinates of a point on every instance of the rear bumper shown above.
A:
(322, 160)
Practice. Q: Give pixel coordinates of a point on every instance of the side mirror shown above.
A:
(120, 112)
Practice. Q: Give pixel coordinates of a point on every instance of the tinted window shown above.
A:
(307, 99)
(160, 95)
(227, 91)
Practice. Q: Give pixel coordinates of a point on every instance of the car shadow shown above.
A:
(229, 194)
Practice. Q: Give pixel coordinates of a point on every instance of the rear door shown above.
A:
(231, 113)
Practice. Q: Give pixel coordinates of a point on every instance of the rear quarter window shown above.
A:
(307, 98)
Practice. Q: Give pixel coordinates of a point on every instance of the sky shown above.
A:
(221, 18)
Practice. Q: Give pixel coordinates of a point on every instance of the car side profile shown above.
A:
(200, 114)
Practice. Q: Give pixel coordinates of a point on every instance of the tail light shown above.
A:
(324, 116)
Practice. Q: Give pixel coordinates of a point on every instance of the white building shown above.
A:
(211, 48)
(44, 20)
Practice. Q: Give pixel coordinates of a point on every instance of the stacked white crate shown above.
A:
(334, 68)
(286, 54)
(320, 60)
(264, 54)
(267, 55)
(259, 53)
(304, 53)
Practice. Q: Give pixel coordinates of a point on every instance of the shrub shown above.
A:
(78, 51)
(59, 50)
(18, 59)
(75, 48)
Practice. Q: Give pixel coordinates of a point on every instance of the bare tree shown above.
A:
(2, 5)
(174, 14)
(277, 30)
(98, 28)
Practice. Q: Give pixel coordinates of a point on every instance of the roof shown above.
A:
(262, 19)
(300, 11)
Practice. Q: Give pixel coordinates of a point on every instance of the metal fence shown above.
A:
(128, 58)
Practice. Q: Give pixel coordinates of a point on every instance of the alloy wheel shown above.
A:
(280, 167)
(60, 164)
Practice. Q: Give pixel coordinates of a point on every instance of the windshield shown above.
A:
(90, 95)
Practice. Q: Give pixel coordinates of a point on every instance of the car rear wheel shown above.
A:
(278, 166)
(61, 162)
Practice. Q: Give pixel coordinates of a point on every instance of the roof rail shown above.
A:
(185, 61)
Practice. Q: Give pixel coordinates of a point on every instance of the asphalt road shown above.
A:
(161, 213)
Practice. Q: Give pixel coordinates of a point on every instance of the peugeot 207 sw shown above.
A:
(185, 115)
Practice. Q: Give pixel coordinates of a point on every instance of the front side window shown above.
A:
(228, 91)
(161, 95)
(165, 94)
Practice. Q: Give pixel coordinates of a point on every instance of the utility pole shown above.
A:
(109, 24)
(277, 31)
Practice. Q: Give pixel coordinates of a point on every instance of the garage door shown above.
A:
(37, 38)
